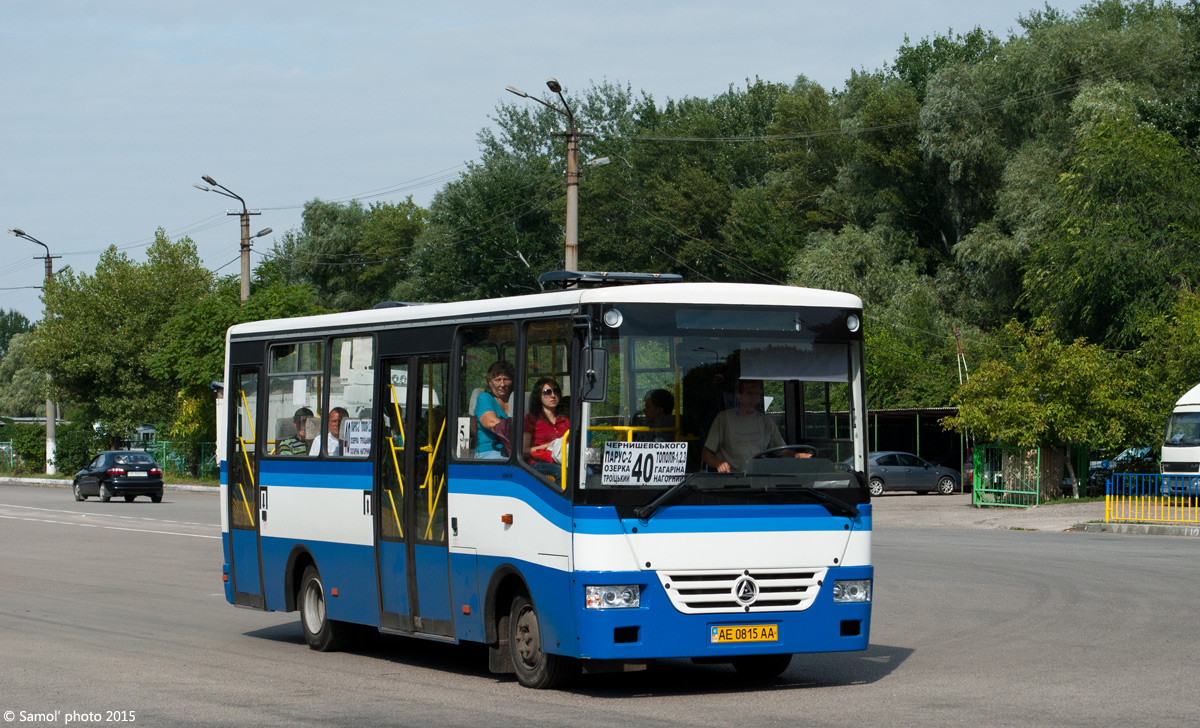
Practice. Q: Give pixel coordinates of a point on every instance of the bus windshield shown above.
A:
(732, 397)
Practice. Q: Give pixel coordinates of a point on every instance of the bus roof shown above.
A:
(731, 294)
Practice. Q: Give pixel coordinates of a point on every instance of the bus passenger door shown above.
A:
(412, 551)
(392, 490)
(244, 492)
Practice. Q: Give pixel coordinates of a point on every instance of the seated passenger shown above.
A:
(544, 427)
(296, 444)
(492, 408)
(333, 441)
(740, 433)
(658, 412)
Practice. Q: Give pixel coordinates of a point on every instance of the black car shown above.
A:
(905, 471)
(126, 473)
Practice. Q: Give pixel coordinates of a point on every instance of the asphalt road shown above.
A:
(115, 612)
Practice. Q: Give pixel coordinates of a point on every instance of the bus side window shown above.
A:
(545, 387)
(351, 397)
(293, 397)
(485, 392)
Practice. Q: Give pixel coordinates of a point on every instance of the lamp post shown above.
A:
(246, 237)
(573, 133)
(51, 409)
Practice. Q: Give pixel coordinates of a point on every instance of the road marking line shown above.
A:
(46, 520)
(109, 515)
(111, 528)
(166, 533)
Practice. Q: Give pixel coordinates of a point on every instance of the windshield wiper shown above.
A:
(834, 504)
(644, 512)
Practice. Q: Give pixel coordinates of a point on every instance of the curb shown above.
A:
(53, 483)
(1140, 529)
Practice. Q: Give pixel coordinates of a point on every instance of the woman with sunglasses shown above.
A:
(543, 426)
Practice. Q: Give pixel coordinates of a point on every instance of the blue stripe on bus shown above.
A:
(512, 482)
(602, 520)
(350, 474)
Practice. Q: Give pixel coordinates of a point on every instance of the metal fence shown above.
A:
(1152, 498)
(8, 455)
(180, 457)
(1006, 476)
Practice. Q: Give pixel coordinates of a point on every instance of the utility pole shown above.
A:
(572, 135)
(246, 236)
(51, 408)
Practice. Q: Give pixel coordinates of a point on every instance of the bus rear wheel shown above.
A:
(320, 632)
(533, 666)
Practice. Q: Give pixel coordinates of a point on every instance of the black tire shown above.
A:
(534, 668)
(320, 632)
(105, 495)
(876, 487)
(79, 496)
(762, 667)
(156, 498)
(946, 485)
(129, 498)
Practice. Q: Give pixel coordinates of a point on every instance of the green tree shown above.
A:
(352, 255)
(22, 386)
(1129, 225)
(101, 331)
(1050, 394)
(11, 324)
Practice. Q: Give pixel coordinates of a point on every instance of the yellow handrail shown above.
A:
(246, 407)
(399, 481)
(563, 457)
(434, 498)
(399, 419)
(249, 474)
(246, 503)
(395, 514)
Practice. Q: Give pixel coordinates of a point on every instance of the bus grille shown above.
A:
(712, 592)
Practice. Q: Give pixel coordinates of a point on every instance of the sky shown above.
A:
(112, 110)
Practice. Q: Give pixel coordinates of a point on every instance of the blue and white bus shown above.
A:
(364, 484)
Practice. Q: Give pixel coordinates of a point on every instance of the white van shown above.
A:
(1181, 446)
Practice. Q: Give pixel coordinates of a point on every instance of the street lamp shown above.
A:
(51, 409)
(573, 133)
(246, 237)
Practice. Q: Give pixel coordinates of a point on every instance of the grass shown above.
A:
(1081, 499)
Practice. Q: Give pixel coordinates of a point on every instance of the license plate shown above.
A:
(744, 633)
(138, 474)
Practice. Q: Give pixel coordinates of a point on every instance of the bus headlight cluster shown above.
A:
(626, 596)
(853, 591)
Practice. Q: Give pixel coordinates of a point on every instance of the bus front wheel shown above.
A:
(320, 632)
(533, 666)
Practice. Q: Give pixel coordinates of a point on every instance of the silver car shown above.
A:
(892, 470)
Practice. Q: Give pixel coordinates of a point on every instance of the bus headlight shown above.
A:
(854, 591)
(625, 596)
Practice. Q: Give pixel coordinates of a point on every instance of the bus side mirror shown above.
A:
(594, 384)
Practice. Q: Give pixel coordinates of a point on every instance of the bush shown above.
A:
(75, 446)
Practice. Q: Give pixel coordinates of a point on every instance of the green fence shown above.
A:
(1006, 476)
(1021, 477)
(180, 457)
(8, 455)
